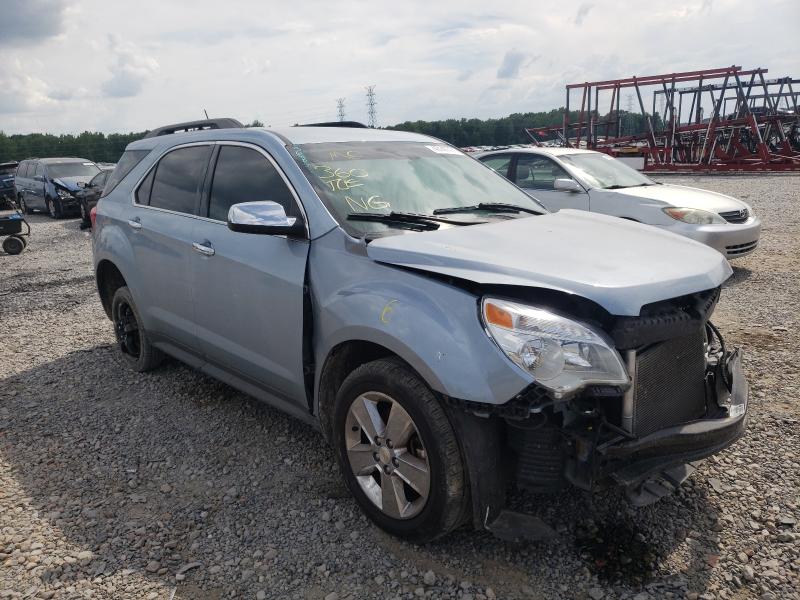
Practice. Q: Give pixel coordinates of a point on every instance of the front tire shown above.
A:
(398, 452)
(132, 339)
(85, 221)
(54, 208)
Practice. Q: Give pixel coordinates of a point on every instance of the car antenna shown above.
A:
(206, 113)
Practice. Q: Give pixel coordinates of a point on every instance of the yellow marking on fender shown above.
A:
(386, 310)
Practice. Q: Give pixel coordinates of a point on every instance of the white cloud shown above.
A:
(20, 90)
(129, 70)
(288, 64)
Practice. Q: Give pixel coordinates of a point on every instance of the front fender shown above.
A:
(433, 326)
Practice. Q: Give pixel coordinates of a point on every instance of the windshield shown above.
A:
(403, 177)
(72, 169)
(603, 171)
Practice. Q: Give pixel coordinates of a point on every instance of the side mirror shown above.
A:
(567, 185)
(265, 218)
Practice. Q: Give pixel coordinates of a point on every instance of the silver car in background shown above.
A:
(587, 180)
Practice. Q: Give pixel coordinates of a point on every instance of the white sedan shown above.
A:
(587, 180)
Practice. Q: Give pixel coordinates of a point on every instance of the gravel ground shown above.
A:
(170, 485)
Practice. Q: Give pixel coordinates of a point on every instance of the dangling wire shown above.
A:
(724, 370)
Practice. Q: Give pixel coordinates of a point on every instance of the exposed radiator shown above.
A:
(670, 384)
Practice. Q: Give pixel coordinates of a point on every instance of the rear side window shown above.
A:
(128, 160)
(21, 169)
(245, 175)
(179, 178)
(39, 169)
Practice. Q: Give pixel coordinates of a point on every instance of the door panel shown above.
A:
(248, 300)
(162, 245)
(535, 174)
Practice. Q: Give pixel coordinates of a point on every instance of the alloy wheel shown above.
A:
(386, 455)
(51, 208)
(126, 328)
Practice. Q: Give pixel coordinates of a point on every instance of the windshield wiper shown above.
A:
(493, 206)
(622, 187)
(419, 221)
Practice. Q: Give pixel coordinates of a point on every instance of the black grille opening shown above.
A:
(670, 384)
(740, 248)
(736, 216)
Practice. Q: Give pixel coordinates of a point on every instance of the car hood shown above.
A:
(71, 183)
(680, 195)
(620, 265)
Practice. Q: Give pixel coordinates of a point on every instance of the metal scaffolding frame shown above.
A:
(690, 128)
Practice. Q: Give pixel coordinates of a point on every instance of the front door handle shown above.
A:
(205, 248)
(134, 223)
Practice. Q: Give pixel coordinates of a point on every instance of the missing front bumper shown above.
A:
(631, 462)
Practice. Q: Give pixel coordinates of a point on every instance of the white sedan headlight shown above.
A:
(561, 354)
(694, 216)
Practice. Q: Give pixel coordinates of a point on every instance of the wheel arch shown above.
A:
(109, 279)
(340, 361)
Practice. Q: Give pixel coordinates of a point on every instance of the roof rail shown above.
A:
(355, 124)
(201, 125)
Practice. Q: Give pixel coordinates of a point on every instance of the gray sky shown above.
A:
(113, 66)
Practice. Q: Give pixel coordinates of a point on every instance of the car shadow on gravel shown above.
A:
(740, 276)
(153, 471)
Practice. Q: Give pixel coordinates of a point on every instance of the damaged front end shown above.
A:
(685, 399)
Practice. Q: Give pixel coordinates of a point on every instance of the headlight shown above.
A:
(63, 194)
(561, 354)
(693, 216)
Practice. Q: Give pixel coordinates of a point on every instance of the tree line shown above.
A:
(101, 147)
(511, 129)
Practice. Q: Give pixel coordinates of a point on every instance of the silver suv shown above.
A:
(446, 334)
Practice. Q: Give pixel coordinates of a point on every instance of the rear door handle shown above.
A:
(134, 223)
(205, 248)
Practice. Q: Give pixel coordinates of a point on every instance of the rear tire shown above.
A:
(132, 339)
(14, 245)
(414, 487)
(23, 206)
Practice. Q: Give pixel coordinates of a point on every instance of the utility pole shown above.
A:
(371, 105)
(340, 108)
(628, 114)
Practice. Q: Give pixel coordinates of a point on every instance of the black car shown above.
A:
(90, 194)
(7, 191)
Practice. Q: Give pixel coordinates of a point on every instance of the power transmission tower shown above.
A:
(340, 108)
(371, 105)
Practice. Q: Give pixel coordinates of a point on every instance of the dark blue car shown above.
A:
(52, 184)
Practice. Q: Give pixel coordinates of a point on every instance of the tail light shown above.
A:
(93, 215)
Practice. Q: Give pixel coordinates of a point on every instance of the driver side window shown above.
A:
(245, 175)
(536, 172)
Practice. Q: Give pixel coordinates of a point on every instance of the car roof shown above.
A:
(537, 150)
(63, 159)
(289, 135)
